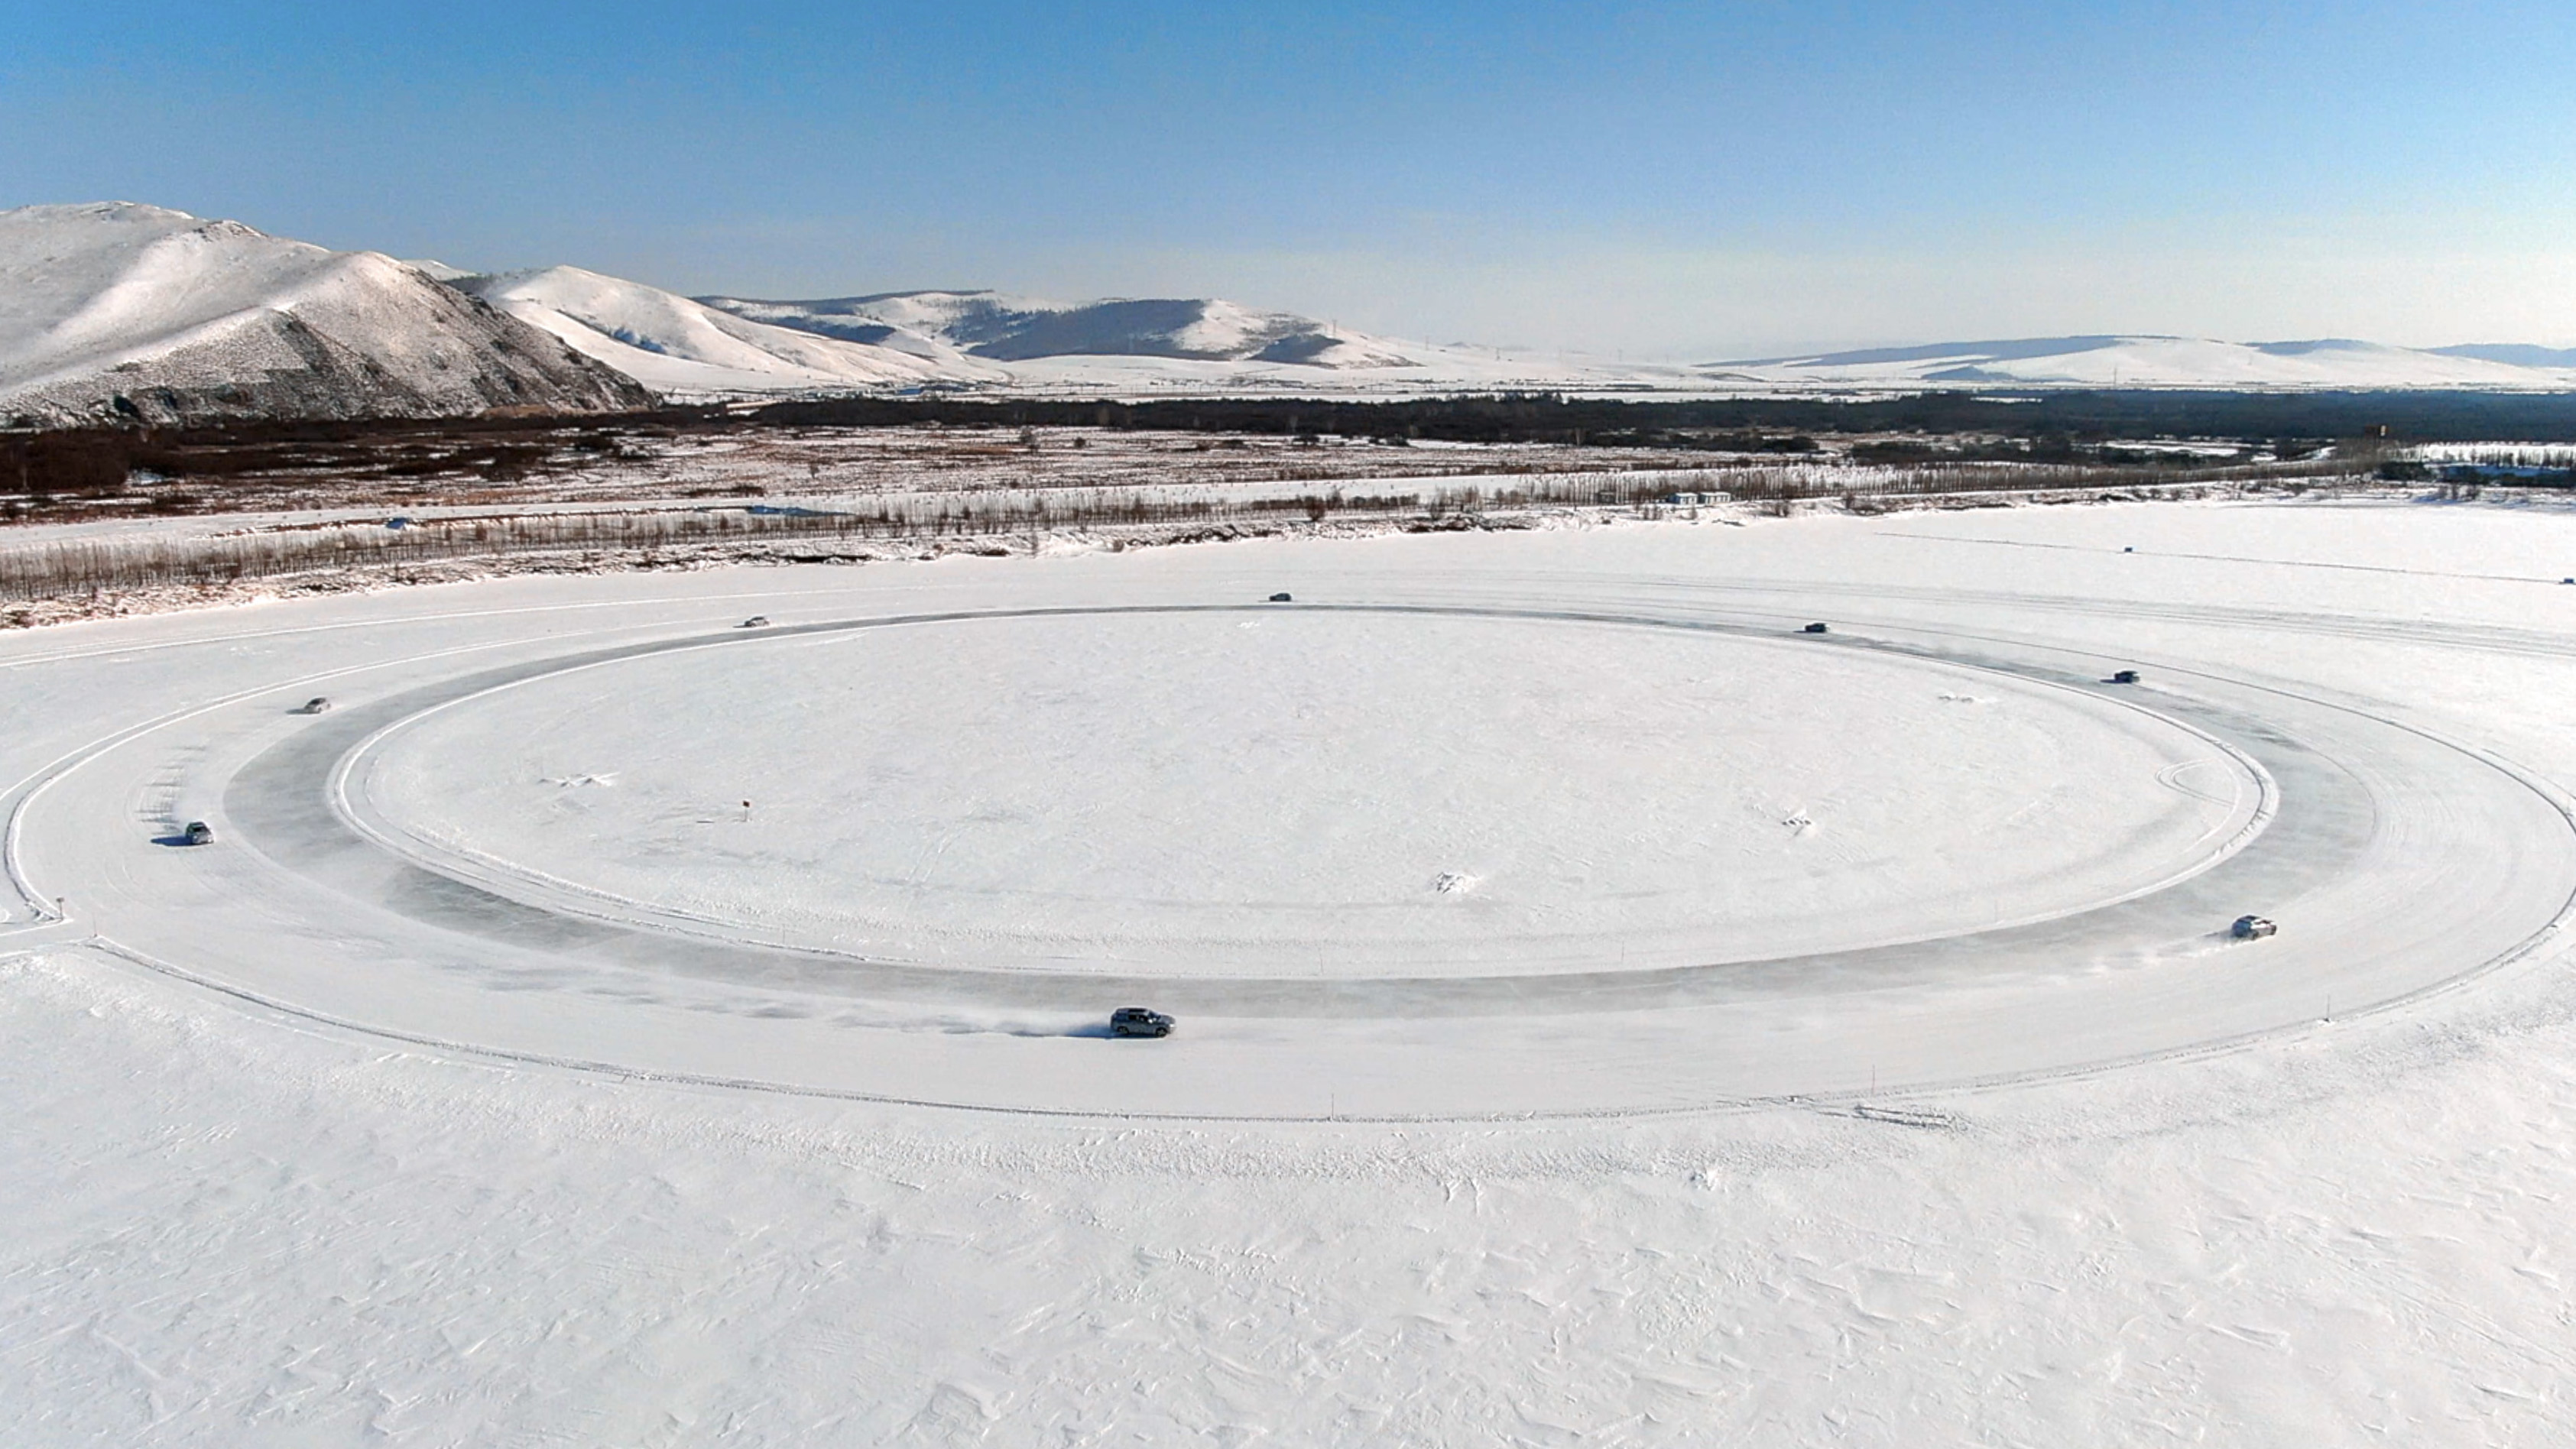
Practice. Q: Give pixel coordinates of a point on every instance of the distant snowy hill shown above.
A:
(1016, 329)
(115, 312)
(2518, 353)
(675, 345)
(2164, 362)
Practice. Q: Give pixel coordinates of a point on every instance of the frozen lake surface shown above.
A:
(1609, 1013)
(1292, 790)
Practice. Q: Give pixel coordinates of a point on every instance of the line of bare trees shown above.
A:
(143, 559)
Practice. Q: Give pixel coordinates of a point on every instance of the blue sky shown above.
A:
(1666, 180)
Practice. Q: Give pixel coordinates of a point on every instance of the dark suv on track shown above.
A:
(1137, 1021)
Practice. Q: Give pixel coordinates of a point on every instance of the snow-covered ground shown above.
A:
(1362, 788)
(408, 1117)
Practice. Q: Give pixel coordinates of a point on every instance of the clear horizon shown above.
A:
(1667, 182)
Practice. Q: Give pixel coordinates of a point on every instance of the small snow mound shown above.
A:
(575, 782)
(1455, 883)
(1964, 699)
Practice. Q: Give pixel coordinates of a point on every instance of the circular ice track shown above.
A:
(1385, 857)
(1339, 792)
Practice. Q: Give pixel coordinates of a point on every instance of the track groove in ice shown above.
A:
(298, 912)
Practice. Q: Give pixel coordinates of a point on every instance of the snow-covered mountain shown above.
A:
(115, 312)
(2520, 354)
(1017, 329)
(118, 312)
(675, 345)
(2163, 362)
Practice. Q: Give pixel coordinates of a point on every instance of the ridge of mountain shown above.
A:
(2518, 354)
(121, 313)
(116, 312)
(1006, 328)
(2161, 361)
(678, 345)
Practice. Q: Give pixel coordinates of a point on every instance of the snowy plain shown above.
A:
(254, 1202)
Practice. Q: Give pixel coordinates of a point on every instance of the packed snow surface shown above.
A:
(321, 1137)
(1653, 795)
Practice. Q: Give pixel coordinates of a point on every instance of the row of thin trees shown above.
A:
(150, 559)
